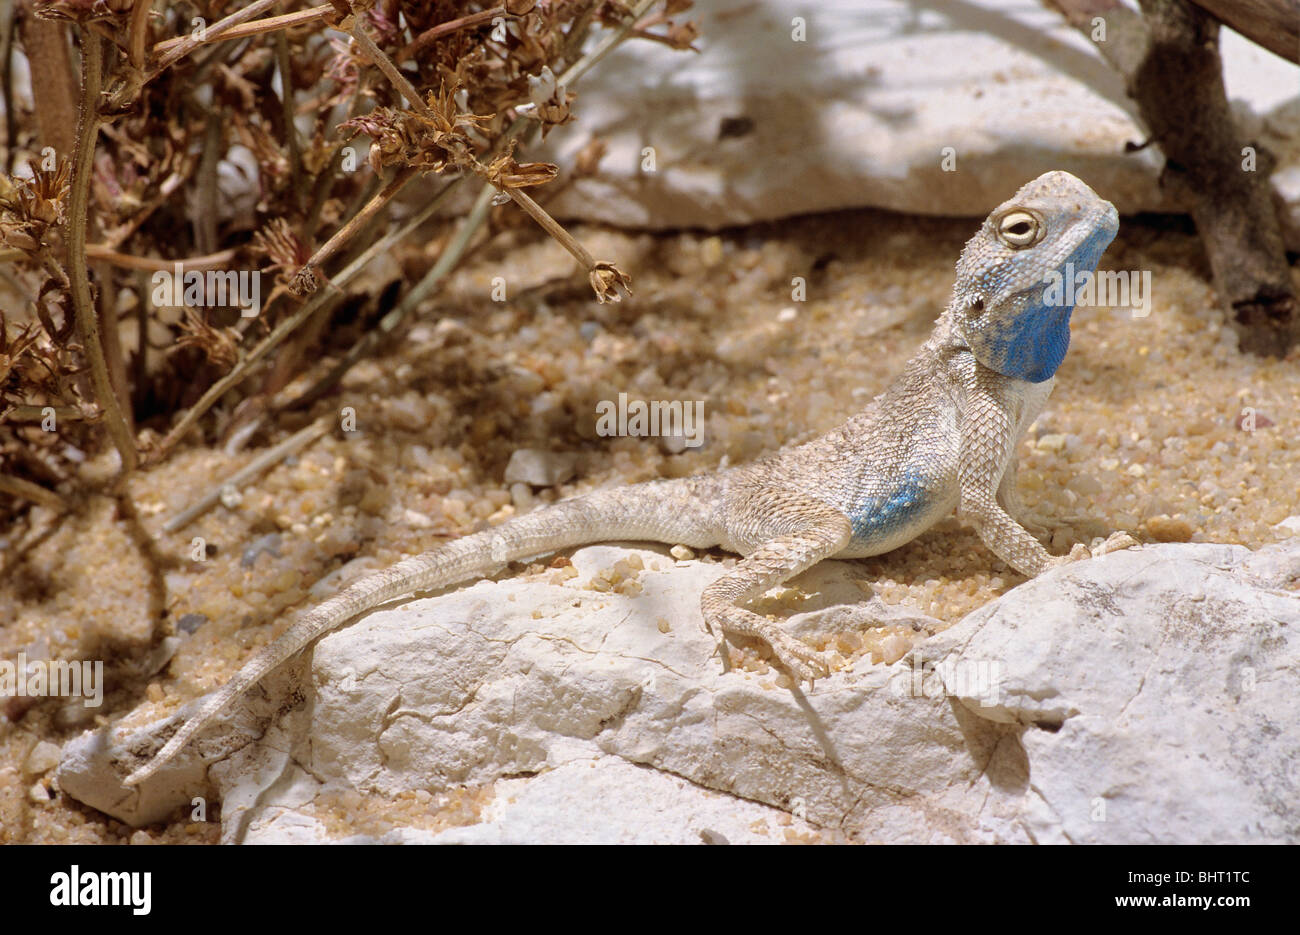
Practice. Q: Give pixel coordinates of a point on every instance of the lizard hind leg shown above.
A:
(826, 531)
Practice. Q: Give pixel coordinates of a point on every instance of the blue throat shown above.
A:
(1032, 345)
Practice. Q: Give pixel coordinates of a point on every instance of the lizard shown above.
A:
(943, 435)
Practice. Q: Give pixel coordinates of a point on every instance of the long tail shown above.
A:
(662, 511)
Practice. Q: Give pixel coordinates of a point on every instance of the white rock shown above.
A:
(758, 126)
(619, 803)
(1139, 713)
(1157, 689)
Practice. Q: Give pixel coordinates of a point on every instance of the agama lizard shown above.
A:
(943, 435)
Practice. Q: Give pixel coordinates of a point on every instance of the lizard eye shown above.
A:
(1020, 229)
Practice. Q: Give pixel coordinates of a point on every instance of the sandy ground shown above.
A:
(1157, 426)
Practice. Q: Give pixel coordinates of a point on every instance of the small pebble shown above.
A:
(540, 468)
(417, 520)
(269, 543)
(1166, 529)
(188, 623)
(43, 758)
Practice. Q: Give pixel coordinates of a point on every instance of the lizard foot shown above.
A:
(1114, 543)
(1079, 553)
(801, 659)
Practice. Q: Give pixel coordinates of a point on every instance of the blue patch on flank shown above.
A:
(1033, 345)
(875, 517)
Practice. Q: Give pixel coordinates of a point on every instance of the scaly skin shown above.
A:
(943, 435)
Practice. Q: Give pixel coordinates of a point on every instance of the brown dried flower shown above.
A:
(430, 141)
(278, 242)
(681, 35)
(504, 172)
(30, 206)
(11, 351)
(219, 345)
(606, 278)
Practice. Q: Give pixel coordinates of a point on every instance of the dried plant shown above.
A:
(217, 134)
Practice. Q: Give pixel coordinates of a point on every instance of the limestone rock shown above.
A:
(1144, 696)
(862, 110)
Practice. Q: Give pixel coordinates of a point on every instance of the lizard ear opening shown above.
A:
(975, 305)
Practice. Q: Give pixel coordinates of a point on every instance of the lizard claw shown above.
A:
(804, 662)
(801, 659)
(1079, 553)
(1114, 543)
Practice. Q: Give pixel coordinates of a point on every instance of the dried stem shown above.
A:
(424, 39)
(55, 93)
(291, 324)
(150, 264)
(270, 24)
(206, 194)
(7, 15)
(18, 487)
(88, 121)
(111, 340)
(307, 275)
(385, 64)
(282, 64)
(217, 30)
(138, 32)
(295, 442)
(26, 413)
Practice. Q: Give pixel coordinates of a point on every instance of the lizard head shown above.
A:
(1014, 293)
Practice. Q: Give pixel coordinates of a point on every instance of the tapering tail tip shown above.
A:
(168, 750)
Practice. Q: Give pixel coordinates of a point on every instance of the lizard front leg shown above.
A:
(1006, 538)
(826, 532)
(1008, 497)
(987, 481)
